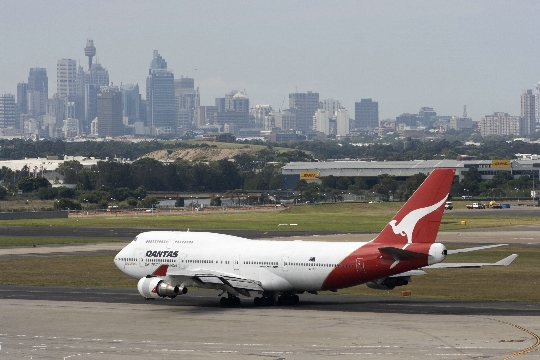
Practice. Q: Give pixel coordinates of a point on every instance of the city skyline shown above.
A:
(405, 56)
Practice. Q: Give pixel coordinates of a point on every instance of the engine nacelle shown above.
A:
(154, 288)
(388, 283)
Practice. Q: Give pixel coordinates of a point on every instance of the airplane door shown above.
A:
(285, 263)
(182, 260)
(360, 265)
(140, 256)
(236, 262)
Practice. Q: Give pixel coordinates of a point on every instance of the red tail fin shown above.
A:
(419, 219)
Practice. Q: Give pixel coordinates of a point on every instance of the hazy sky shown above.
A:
(403, 54)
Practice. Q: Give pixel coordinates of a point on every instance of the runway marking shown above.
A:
(526, 350)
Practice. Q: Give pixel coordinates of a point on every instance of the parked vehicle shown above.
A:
(476, 206)
(448, 205)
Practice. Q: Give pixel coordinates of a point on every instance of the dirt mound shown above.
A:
(197, 154)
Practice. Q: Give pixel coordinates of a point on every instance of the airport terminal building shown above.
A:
(314, 171)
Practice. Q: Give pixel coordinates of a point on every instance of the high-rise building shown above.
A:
(304, 105)
(427, 114)
(55, 114)
(501, 123)
(408, 119)
(187, 100)
(38, 92)
(160, 97)
(330, 105)
(537, 102)
(342, 122)
(321, 122)
(285, 120)
(528, 112)
(366, 114)
(260, 113)
(233, 109)
(109, 108)
(66, 75)
(8, 111)
(131, 102)
(22, 98)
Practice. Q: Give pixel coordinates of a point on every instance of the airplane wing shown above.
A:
(504, 262)
(232, 283)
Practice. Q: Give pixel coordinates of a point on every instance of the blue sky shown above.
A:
(403, 54)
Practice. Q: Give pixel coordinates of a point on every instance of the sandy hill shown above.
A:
(197, 154)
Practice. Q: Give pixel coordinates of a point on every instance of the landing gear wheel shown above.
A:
(257, 301)
(295, 299)
(223, 301)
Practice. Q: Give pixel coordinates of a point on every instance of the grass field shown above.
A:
(29, 241)
(517, 282)
(341, 217)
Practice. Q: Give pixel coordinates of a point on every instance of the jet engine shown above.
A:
(388, 283)
(154, 288)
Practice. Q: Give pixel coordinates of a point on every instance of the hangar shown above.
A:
(314, 171)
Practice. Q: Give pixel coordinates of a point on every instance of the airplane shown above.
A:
(167, 263)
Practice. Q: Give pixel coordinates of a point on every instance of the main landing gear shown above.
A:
(270, 298)
(229, 301)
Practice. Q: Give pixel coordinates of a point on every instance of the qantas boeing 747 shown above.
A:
(168, 262)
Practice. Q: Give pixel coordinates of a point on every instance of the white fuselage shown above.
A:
(276, 265)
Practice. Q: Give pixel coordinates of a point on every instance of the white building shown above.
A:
(501, 123)
(342, 122)
(528, 112)
(66, 75)
(321, 121)
(260, 113)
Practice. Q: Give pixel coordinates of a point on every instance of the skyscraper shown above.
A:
(8, 111)
(160, 100)
(342, 122)
(528, 112)
(38, 91)
(109, 109)
(321, 121)
(131, 100)
(366, 114)
(187, 100)
(304, 106)
(22, 98)
(66, 75)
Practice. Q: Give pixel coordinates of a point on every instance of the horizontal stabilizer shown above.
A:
(396, 254)
(504, 262)
(457, 251)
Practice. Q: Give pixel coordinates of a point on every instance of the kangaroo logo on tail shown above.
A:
(408, 223)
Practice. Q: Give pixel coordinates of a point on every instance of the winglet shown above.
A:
(507, 260)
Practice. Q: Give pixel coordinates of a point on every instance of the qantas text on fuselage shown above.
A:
(167, 263)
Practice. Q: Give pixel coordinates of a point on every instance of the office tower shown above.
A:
(160, 97)
(260, 113)
(157, 62)
(528, 112)
(501, 123)
(90, 51)
(408, 119)
(187, 99)
(342, 122)
(22, 98)
(236, 110)
(109, 108)
(66, 75)
(304, 106)
(321, 122)
(285, 120)
(131, 103)
(427, 115)
(8, 111)
(537, 102)
(205, 115)
(90, 105)
(366, 114)
(38, 92)
(330, 106)
(97, 75)
(55, 114)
